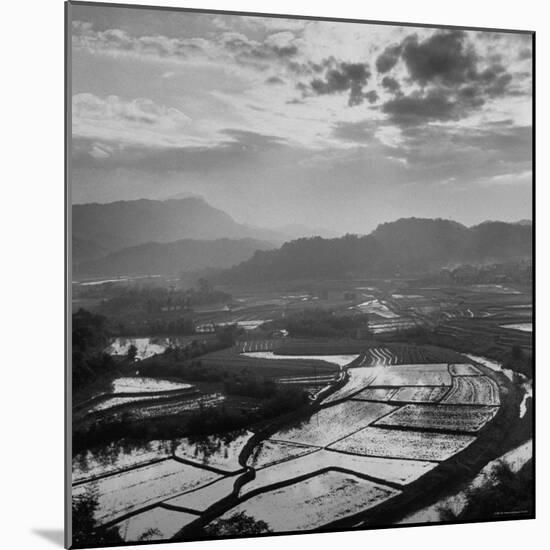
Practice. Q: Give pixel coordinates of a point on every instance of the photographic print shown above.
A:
(300, 274)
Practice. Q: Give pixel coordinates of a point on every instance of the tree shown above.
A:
(237, 524)
(85, 532)
(204, 286)
(132, 353)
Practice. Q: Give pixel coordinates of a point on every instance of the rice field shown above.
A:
(405, 444)
(204, 497)
(376, 394)
(113, 402)
(127, 492)
(332, 423)
(378, 308)
(413, 375)
(340, 360)
(384, 470)
(374, 357)
(473, 390)
(420, 394)
(231, 361)
(464, 370)
(270, 452)
(397, 416)
(310, 380)
(165, 407)
(117, 457)
(314, 502)
(358, 379)
(402, 354)
(220, 452)
(440, 417)
(140, 384)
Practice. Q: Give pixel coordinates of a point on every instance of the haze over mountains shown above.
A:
(404, 247)
(173, 258)
(116, 225)
(148, 237)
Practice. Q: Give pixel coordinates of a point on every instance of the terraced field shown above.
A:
(439, 417)
(470, 390)
(307, 504)
(333, 423)
(413, 445)
(386, 427)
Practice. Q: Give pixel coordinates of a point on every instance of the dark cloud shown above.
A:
(372, 96)
(387, 60)
(445, 56)
(445, 65)
(417, 108)
(343, 77)
(391, 84)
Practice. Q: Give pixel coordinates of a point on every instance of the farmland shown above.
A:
(479, 390)
(332, 423)
(440, 417)
(393, 443)
(307, 504)
(387, 415)
(382, 429)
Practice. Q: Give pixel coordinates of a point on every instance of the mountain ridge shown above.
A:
(121, 224)
(407, 245)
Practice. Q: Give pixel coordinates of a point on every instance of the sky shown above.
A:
(284, 121)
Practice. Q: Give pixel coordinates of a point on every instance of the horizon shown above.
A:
(276, 121)
(305, 226)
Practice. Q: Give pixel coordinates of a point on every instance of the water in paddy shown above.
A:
(146, 346)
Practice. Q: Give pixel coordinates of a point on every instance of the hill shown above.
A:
(404, 247)
(117, 225)
(172, 258)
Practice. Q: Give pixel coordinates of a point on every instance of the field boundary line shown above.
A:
(121, 471)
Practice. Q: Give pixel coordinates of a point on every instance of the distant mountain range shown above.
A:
(172, 258)
(149, 237)
(117, 225)
(406, 246)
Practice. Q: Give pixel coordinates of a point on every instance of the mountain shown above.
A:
(298, 230)
(406, 247)
(122, 224)
(84, 249)
(172, 258)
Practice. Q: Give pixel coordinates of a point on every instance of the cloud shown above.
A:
(141, 110)
(418, 108)
(274, 80)
(437, 152)
(445, 56)
(388, 58)
(137, 121)
(515, 178)
(371, 96)
(443, 78)
(235, 148)
(343, 77)
(357, 132)
(391, 84)
(279, 46)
